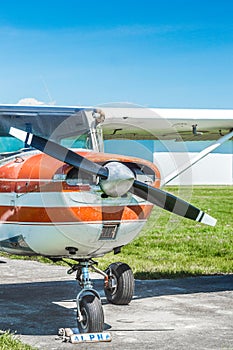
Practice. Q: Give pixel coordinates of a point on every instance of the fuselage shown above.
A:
(50, 208)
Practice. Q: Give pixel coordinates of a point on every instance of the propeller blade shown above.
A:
(59, 152)
(156, 196)
(171, 203)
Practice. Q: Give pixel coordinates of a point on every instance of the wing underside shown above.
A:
(167, 124)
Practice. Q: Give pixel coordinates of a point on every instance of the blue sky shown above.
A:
(168, 53)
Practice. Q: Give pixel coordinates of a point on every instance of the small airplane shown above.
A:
(62, 197)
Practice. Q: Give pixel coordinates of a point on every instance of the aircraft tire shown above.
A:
(93, 315)
(122, 292)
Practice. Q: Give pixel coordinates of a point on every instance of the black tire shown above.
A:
(93, 316)
(122, 276)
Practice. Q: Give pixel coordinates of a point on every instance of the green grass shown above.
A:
(10, 342)
(170, 246)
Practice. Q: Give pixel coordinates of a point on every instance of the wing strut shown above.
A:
(197, 158)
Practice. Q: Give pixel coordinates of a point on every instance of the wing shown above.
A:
(124, 122)
(162, 124)
(167, 124)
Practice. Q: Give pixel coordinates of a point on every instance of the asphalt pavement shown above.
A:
(192, 313)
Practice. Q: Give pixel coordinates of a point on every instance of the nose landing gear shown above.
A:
(118, 288)
(90, 316)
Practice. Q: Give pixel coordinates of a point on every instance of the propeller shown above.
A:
(116, 179)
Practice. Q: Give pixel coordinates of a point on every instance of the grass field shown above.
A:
(171, 247)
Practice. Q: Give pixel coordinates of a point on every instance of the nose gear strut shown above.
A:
(90, 316)
(118, 288)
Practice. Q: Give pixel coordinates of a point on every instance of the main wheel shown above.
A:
(120, 286)
(93, 316)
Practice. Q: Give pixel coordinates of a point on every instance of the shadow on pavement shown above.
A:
(33, 308)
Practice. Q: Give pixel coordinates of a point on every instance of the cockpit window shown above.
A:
(70, 127)
(81, 141)
(10, 144)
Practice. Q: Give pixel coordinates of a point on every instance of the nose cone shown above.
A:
(120, 180)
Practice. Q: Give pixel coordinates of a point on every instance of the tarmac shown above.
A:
(192, 313)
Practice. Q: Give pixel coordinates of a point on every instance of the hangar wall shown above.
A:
(214, 169)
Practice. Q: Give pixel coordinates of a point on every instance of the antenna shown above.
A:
(51, 101)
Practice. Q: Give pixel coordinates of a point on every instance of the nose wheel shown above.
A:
(118, 288)
(92, 316)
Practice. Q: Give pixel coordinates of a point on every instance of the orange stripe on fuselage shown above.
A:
(74, 214)
(26, 186)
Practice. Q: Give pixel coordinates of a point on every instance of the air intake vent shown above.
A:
(109, 231)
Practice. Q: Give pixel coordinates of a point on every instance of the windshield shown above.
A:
(81, 141)
(10, 144)
(69, 128)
